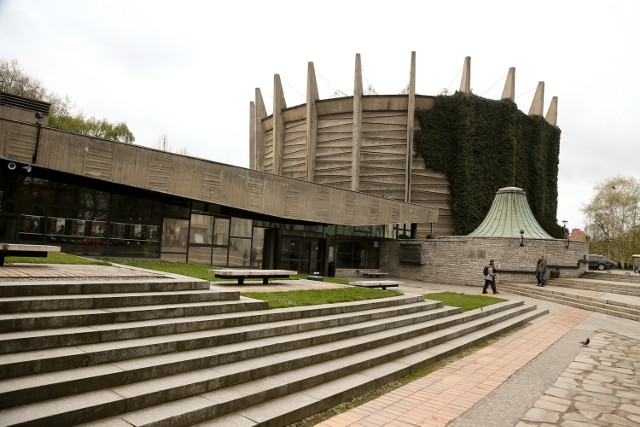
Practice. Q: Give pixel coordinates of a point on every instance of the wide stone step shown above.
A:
(226, 328)
(610, 307)
(31, 288)
(269, 376)
(92, 301)
(27, 389)
(72, 318)
(630, 277)
(601, 286)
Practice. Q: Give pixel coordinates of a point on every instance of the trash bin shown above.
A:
(332, 269)
(555, 273)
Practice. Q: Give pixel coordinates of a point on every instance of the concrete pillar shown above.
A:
(256, 136)
(465, 83)
(509, 91)
(312, 121)
(411, 115)
(357, 126)
(538, 101)
(552, 112)
(279, 104)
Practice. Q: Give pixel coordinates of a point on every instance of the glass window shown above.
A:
(221, 232)
(201, 230)
(175, 233)
(257, 247)
(241, 227)
(219, 256)
(239, 252)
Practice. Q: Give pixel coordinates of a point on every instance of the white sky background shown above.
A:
(189, 68)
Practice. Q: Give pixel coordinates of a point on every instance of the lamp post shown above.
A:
(566, 232)
(521, 238)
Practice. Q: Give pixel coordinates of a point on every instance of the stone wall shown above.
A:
(460, 260)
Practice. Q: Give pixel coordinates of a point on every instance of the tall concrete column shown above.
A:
(357, 126)
(509, 91)
(538, 101)
(465, 83)
(552, 112)
(411, 115)
(312, 121)
(256, 135)
(279, 104)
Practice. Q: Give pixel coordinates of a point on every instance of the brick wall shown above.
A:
(460, 260)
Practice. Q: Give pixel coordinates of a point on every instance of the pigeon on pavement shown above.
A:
(585, 342)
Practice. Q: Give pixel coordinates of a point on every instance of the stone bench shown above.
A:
(384, 284)
(242, 273)
(374, 274)
(19, 249)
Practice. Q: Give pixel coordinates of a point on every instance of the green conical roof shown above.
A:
(510, 213)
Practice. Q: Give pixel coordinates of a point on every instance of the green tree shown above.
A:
(613, 218)
(15, 81)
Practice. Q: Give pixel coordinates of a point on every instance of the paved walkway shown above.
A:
(538, 376)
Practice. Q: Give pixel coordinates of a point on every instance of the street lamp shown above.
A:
(566, 232)
(521, 238)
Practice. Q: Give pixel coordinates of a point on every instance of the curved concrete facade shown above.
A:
(361, 142)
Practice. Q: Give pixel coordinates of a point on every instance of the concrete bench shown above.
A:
(374, 274)
(384, 284)
(19, 249)
(241, 274)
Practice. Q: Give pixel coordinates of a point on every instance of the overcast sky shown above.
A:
(189, 69)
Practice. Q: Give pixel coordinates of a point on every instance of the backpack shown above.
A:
(485, 271)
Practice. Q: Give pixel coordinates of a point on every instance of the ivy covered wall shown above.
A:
(482, 145)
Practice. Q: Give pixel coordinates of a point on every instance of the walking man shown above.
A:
(490, 278)
(542, 270)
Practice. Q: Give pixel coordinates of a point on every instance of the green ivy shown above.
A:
(482, 145)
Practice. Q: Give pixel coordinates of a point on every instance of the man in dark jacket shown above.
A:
(490, 278)
(542, 270)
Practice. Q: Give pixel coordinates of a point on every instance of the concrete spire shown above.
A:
(538, 101)
(465, 83)
(411, 113)
(312, 121)
(256, 136)
(357, 126)
(279, 104)
(509, 91)
(552, 112)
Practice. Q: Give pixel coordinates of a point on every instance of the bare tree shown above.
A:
(613, 217)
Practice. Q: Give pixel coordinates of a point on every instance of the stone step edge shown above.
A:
(22, 322)
(88, 301)
(50, 287)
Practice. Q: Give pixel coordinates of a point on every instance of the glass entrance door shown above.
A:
(302, 255)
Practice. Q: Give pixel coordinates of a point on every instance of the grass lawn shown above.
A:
(464, 301)
(319, 296)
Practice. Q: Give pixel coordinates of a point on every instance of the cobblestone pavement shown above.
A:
(601, 387)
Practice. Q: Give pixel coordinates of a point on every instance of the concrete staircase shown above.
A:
(583, 293)
(612, 277)
(175, 353)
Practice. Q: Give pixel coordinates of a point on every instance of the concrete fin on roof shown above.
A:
(510, 213)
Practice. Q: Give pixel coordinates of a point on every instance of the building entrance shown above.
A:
(302, 255)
